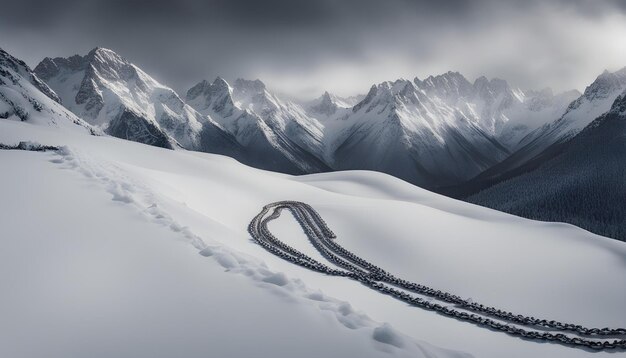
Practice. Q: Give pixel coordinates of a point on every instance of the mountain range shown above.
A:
(482, 141)
(406, 128)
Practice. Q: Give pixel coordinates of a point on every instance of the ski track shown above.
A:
(125, 190)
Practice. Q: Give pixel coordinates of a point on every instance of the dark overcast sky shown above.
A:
(303, 47)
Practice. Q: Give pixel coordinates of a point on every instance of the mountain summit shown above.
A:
(274, 134)
(579, 181)
(110, 92)
(24, 97)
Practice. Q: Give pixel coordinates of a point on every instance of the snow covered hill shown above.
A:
(131, 250)
(580, 181)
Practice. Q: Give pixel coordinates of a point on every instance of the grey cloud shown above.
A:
(303, 47)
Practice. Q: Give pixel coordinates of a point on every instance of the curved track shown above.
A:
(346, 264)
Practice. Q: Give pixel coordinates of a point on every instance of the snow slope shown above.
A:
(112, 261)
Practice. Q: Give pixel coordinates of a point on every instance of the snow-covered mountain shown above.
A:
(506, 113)
(581, 180)
(275, 134)
(110, 92)
(537, 109)
(400, 130)
(328, 104)
(24, 97)
(436, 132)
(596, 100)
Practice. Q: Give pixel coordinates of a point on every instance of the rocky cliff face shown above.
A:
(24, 97)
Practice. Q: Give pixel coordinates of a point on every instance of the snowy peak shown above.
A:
(453, 88)
(328, 104)
(104, 88)
(326, 98)
(497, 90)
(606, 84)
(252, 95)
(99, 62)
(324, 105)
(213, 97)
(388, 93)
(603, 91)
(219, 98)
(597, 99)
(450, 86)
(19, 67)
(83, 80)
(110, 65)
(406, 129)
(249, 87)
(274, 134)
(24, 97)
(539, 100)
